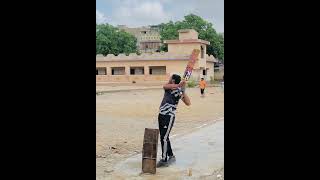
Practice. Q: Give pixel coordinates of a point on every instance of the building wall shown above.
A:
(175, 61)
(172, 67)
(218, 75)
(149, 46)
(210, 70)
(197, 74)
(175, 66)
(188, 34)
(143, 35)
(185, 49)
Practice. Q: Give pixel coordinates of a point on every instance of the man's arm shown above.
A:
(185, 99)
(173, 86)
(170, 86)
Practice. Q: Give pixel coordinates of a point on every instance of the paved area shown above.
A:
(200, 155)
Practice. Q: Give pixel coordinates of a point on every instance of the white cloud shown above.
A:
(133, 13)
(100, 17)
(166, 1)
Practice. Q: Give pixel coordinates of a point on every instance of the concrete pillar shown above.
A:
(127, 70)
(109, 71)
(146, 70)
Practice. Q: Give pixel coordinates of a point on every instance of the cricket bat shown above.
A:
(190, 65)
(192, 61)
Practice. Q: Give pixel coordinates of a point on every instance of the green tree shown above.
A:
(111, 40)
(205, 29)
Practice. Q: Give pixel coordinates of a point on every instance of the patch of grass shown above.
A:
(215, 81)
(191, 84)
(99, 93)
(212, 80)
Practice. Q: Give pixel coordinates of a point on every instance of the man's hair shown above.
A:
(176, 78)
(202, 78)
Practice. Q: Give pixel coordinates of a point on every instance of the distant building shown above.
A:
(159, 66)
(148, 38)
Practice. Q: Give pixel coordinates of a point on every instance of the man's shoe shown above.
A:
(162, 163)
(172, 159)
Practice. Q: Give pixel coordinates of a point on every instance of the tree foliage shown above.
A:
(111, 40)
(169, 31)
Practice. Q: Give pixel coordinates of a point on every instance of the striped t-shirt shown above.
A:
(170, 101)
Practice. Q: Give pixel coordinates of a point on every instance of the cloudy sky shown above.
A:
(134, 13)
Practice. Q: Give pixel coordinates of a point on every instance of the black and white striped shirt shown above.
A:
(170, 102)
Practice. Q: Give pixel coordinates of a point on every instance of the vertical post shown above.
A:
(149, 150)
(146, 70)
(127, 70)
(108, 70)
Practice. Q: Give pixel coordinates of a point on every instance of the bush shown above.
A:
(211, 80)
(191, 84)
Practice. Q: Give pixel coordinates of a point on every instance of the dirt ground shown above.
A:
(123, 116)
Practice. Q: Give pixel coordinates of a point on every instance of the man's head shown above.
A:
(175, 79)
(202, 79)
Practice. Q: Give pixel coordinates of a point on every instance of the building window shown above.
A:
(204, 72)
(118, 71)
(202, 52)
(157, 70)
(132, 71)
(101, 71)
(136, 70)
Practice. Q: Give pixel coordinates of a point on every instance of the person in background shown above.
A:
(202, 85)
